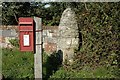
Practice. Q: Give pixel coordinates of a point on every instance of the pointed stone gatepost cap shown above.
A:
(68, 22)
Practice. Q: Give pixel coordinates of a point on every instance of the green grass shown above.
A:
(16, 64)
(0, 60)
(51, 64)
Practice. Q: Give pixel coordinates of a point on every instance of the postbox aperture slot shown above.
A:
(26, 25)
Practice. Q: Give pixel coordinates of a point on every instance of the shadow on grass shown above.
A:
(53, 62)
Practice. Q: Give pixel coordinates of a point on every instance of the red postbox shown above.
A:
(26, 34)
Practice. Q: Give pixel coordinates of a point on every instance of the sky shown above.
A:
(47, 5)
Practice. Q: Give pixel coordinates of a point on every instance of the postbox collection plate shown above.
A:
(26, 40)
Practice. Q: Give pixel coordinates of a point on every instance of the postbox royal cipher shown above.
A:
(26, 34)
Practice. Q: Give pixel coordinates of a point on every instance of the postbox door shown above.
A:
(26, 41)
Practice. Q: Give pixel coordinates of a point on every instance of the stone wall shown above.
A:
(7, 33)
(50, 38)
(11, 32)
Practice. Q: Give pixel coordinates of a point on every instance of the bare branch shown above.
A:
(15, 17)
(86, 7)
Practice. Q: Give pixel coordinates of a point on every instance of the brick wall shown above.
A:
(50, 47)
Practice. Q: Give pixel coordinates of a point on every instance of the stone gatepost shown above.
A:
(68, 34)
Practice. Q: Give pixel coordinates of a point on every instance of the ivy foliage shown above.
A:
(14, 42)
(99, 25)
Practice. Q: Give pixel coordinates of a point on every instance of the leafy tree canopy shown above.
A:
(11, 11)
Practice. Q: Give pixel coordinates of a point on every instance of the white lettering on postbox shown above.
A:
(26, 40)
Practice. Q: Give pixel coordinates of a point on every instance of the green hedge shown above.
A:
(101, 72)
